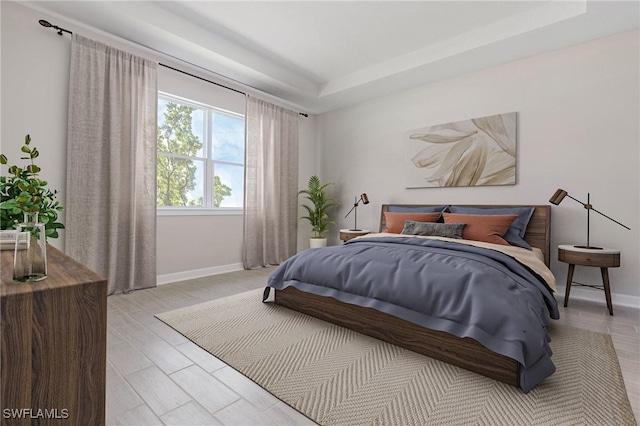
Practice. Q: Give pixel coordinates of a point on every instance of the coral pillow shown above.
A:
(395, 221)
(515, 233)
(487, 228)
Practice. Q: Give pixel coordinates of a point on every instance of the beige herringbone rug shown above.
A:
(336, 376)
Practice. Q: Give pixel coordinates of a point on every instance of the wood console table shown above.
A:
(53, 345)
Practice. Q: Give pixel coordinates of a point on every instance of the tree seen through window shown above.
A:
(187, 167)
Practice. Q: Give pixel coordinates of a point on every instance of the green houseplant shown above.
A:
(318, 213)
(23, 192)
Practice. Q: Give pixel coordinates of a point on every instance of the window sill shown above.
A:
(191, 211)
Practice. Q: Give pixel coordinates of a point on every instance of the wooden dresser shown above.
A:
(53, 345)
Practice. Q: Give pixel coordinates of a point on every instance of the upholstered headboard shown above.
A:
(538, 230)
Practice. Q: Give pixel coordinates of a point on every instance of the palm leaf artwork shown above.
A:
(476, 152)
(318, 212)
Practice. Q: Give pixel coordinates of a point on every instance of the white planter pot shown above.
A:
(317, 242)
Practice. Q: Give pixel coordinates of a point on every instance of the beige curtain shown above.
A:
(271, 184)
(111, 170)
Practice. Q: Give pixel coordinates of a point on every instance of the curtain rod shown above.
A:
(60, 31)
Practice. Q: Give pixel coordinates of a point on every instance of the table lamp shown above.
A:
(354, 209)
(557, 198)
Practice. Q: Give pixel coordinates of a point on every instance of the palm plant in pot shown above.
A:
(318, 213)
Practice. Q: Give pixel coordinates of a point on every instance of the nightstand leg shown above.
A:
(569, 281)
(607, 288)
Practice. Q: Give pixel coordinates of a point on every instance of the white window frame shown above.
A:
(209, 164)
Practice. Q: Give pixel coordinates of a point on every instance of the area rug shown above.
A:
(337, 376)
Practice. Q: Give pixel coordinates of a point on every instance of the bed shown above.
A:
(444, 337)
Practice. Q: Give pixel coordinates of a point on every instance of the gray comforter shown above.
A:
(463, 290)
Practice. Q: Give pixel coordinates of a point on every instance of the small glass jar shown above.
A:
(30, 257)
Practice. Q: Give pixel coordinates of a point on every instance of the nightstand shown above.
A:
(348, 234)
(602, 258)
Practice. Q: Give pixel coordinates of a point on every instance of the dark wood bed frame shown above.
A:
(462, 352)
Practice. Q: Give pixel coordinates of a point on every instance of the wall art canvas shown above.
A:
(476, 152)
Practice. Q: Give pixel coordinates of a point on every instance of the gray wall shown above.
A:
(35, 81)
(577, 130)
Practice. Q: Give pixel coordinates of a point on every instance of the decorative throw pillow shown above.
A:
(515, 233)
(487, 228)
(395, 221)
(449, 230)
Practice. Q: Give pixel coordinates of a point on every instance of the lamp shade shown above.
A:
(558, 197)
(364, 198)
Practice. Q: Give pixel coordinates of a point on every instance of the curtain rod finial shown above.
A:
(48, 24)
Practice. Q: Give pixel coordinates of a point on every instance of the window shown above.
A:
(200, 156)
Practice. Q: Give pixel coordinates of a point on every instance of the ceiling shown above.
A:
(323, 55)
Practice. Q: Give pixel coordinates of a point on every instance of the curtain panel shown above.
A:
(271, 184)
(111, 164)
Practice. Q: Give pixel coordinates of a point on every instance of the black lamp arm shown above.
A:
(590, 207)
(355, 204)
(586, 206)
(624, 226)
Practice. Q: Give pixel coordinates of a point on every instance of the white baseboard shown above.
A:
(197, 273)
(597, 296)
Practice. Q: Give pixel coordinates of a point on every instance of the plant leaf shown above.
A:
(23, 191)
(8, 205)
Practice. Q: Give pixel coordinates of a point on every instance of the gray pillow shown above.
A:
(449, 230)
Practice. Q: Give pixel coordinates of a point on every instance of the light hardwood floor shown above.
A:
(156, 376)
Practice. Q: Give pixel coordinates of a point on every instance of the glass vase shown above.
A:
(30, 257)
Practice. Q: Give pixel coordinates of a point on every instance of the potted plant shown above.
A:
(23, 192)
(318, 215)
